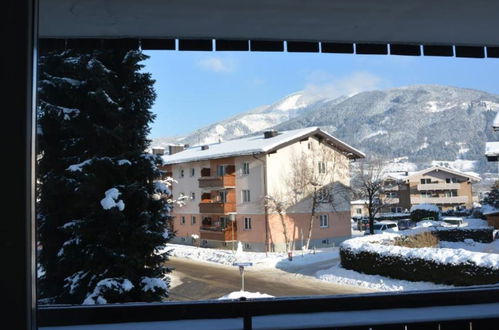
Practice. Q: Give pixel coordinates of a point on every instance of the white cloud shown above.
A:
(322, 85)
(217, 64)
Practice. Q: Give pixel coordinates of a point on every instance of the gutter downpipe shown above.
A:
(266, 210)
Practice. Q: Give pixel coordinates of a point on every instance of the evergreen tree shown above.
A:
(102, 218)
(492, 197)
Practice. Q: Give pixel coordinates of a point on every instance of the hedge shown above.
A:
(416, 269)
(482, 235)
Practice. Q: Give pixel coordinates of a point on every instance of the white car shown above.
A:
(455, 221)
(383, 227)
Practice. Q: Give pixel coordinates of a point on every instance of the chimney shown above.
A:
(158, 151)
(269, 134)
(205, 147)
(174, 149)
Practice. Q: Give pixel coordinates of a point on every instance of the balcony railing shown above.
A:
(391, 188)
(439, 200)
(218, 233)
(217, 207)
(438, 186)
(225, 181)
(391, 200)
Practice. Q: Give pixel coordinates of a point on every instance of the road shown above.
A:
(200, 280)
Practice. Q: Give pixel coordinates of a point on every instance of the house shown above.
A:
(445, 187)
(227, 183)
(358, 208)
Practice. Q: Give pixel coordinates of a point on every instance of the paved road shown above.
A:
(207, 281)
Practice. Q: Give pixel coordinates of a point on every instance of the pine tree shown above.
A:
(492, 197)
(102, 221)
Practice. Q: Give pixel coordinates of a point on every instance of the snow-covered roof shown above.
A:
(256, 145)
(492, 148)
(472, 177)
(359, 202)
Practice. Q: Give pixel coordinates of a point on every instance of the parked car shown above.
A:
(363, 224)
(383, 227)
(405, 224)
(456, 221)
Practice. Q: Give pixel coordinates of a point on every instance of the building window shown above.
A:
(246, 169)
(193, 195)
(182, 220)
(451, 180)
(222, 196)
(425, 181)
(181, 173)
(193, 220)
(451, 193)
(221, 170)
(193, 171)
(426, 194)
(358, 211)
(396, 210)
(245, 196)
(322, 167)
(391, 194)
(309, 145)
(247, 223)
(324, 220)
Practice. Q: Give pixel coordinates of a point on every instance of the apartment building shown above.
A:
(447, 188)
(228, 183)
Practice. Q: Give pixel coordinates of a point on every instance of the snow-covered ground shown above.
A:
(260, 260)
(335, 274)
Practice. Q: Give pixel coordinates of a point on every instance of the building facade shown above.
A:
(444, 187)
(230, 184)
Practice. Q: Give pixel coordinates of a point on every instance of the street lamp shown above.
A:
(232, 218)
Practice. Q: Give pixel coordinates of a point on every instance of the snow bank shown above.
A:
(381, 244)
(245, 294)
(341, 276)
(426, 207)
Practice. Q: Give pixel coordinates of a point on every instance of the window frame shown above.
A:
(245, 169)
(247, 223)
(322, 223)
(245, 196)
(23, 258)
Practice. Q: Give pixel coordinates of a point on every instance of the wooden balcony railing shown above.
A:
(225, 181)
(218, 233)
(216, 207)
(439, 186)
(439, 200)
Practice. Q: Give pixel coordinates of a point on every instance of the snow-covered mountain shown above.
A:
(255, 120)
(421, 122)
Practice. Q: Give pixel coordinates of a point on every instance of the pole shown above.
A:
(242, 280)
(232, 237)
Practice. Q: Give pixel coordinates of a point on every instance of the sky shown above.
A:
(195, 89)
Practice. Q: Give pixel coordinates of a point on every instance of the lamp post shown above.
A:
(232, 218)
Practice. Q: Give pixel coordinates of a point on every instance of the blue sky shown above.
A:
(198, 88)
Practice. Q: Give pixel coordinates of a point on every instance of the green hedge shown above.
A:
(416, 269)
(482, 235)
(418, 215)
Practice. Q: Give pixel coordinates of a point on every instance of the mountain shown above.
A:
(418, 124)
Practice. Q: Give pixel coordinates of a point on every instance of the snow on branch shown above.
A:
(111, 200)
(118, 285)
(152, 284)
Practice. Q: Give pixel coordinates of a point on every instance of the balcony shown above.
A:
(438, 186)
(226, 181)
(439, 200)
(391, 200)
(391, 188)
(218, 233)
(217, 207)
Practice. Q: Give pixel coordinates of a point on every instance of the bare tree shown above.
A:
(279, 203)
(368, 185)
(318, 178)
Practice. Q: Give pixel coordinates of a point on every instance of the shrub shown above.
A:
(416, 269)
(419, 214)
(482, 235)
(425, 239)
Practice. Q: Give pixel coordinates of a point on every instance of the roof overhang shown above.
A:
(470, 177)
(443, 22)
